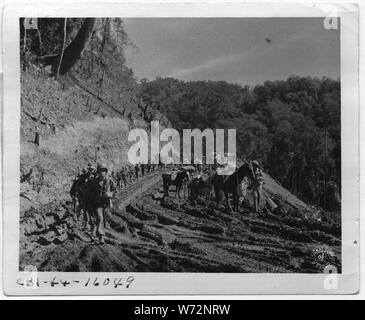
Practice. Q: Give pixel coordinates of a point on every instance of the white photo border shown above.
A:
(182, 283)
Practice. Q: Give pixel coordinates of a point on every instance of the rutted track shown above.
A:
(126, 197)
(157, 234)
(50, 230)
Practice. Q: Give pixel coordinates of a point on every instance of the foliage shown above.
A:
(102, 67)
(292, 126)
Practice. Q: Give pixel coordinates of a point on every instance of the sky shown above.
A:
(247, 51)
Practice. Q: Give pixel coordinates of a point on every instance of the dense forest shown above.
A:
(292, 127)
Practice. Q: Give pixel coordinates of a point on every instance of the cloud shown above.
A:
(233, 50)
(253, 55)
(209, 65)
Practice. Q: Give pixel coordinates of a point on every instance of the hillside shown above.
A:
(292, 127)
(72, 134)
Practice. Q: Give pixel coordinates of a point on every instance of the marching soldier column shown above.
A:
(92, 192)
(93, 189)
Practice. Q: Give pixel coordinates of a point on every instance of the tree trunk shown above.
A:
(75, 49)
(63, 48)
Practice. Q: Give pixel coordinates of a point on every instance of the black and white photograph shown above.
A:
(85, 83)
(181, 145)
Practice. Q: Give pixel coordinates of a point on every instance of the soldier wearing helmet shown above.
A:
(124, 174)
(255, 164)
(100, 197)
(90, 168)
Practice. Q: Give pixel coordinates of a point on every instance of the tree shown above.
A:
(74, 50)
(292, 126)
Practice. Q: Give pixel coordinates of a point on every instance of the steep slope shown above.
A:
(74, 128)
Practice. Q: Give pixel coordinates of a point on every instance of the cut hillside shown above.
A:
(74, 128)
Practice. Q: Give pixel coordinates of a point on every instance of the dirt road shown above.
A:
(157, 234)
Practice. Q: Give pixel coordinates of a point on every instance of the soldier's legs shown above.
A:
(240, 202)
(91, 216)
(256, 200)
(83, 208)
(80, 206)
(85, 217)
(100, 223)
(88, 218)
(75, 205)
(259, 196)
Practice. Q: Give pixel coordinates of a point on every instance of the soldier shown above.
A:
(114, 175)
(130, 174)
(101, 192)
(136, 170)
(88, 208)
(90, 168)
(123, 176)
(79, 191)
(74, 196)
(257, 184)
(118, 178)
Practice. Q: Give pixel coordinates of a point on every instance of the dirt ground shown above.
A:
(147, 232)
